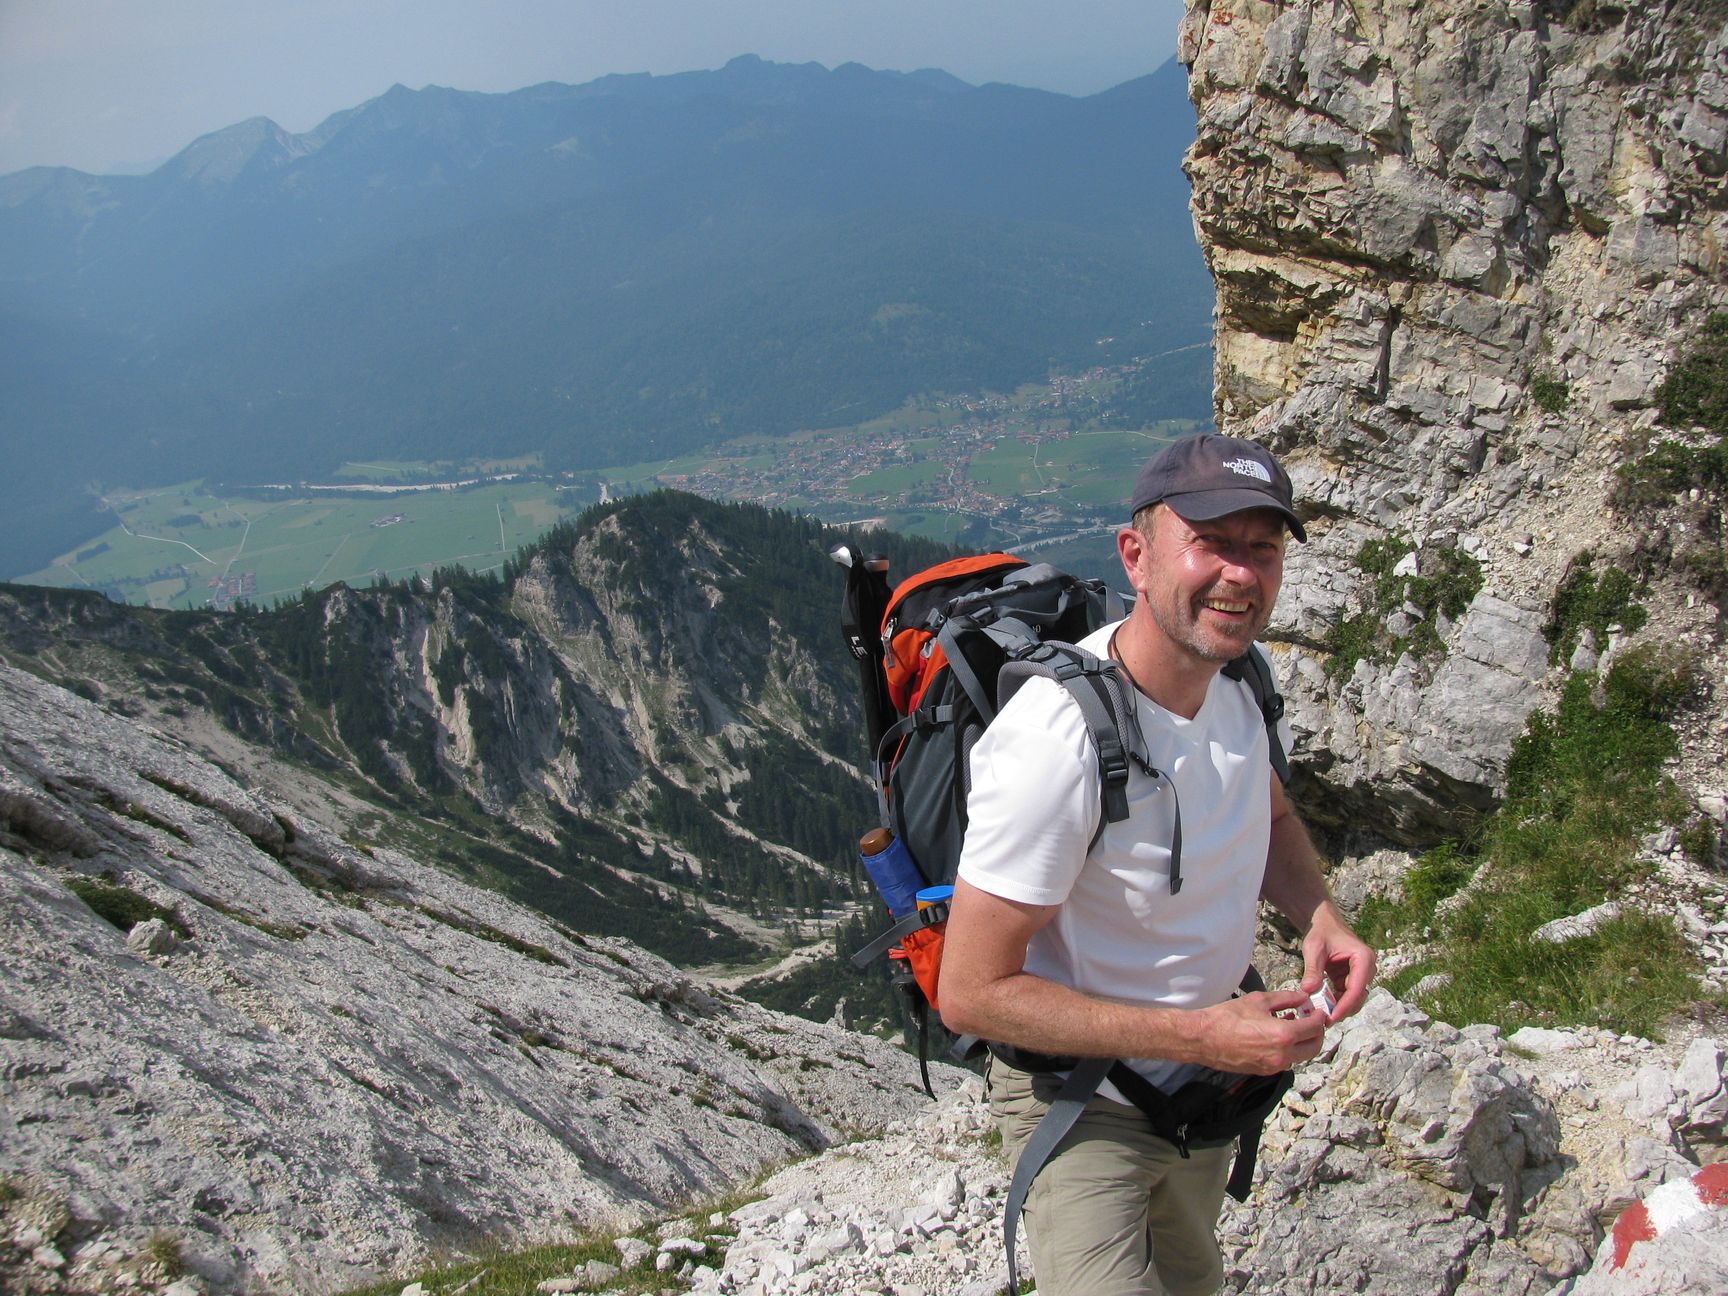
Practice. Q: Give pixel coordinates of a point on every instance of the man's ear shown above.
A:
(1133, 549)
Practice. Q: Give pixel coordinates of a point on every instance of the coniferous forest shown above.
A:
(450, 697)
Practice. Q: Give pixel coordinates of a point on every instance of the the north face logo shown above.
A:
(1249, 468)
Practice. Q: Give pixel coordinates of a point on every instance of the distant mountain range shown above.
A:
(606, 272)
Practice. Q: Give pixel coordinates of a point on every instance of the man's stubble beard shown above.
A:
(1183, 627)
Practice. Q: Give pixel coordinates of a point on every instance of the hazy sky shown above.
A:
(106, 84)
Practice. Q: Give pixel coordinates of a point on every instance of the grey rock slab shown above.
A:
(315, 1093)
(1578, 925)
(632, 1251)
(1541, 1040)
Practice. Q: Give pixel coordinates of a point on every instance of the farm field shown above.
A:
(1037, 470)
(1085, 468)
(185, 547)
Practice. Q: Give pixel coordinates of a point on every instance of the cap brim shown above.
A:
(1204, 506)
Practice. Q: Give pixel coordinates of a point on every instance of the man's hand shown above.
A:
(1331, 952)
(1337, 956)
(1260, 1034)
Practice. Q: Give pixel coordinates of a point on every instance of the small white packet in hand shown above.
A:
(1322, 1001)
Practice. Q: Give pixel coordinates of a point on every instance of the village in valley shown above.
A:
(1016, 468)
(1039, 466)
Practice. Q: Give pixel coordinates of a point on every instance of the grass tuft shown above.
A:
(123, 907)
(163, 1251)
(1584, 785)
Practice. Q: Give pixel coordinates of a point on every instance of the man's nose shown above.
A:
(1239, 566)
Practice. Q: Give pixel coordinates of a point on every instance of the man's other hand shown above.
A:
(1337, 956)
(1261, 1033)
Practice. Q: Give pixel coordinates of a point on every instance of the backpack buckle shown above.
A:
(1112, 761)
(1040, 651)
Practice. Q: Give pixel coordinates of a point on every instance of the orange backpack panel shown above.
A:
(911, 656)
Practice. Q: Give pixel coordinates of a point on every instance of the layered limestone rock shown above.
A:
(1411, 1157)
(1414, 1157)
(306, 1063)
(1457, 247)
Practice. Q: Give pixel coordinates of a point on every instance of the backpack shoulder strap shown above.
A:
(1107, 706)
(1097, 688)
(1255, 670)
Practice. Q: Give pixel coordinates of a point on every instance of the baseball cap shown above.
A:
(1205, 477)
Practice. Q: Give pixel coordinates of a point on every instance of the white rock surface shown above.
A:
(353, 1060)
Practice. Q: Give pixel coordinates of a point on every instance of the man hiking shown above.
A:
(1066, 947)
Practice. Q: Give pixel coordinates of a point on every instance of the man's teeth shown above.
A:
(1226, 605)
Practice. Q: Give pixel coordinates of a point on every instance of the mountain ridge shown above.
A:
(570, 271)
(648, 726)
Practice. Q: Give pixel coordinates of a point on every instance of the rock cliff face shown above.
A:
(1457, 247)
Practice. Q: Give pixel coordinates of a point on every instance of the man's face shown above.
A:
(1210, 585)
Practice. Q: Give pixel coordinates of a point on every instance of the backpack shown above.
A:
(938, 657)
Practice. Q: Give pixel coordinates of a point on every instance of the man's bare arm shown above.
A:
(1331, 951)
(985, 991)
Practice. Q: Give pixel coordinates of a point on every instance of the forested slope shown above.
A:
(646, 726)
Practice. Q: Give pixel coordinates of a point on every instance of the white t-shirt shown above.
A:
(1120, 934)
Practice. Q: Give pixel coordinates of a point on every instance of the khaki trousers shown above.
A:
(1116, 1210)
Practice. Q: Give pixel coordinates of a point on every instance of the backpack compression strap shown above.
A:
(917, 920)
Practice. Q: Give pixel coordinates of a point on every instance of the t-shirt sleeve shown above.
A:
(1034, 803)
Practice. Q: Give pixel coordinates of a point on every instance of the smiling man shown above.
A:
(1065, 943)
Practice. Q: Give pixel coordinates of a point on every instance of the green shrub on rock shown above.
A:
(1445, 581)
(1584, 785)
(1550, 393)
(1590, 601)
(1693, 400)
